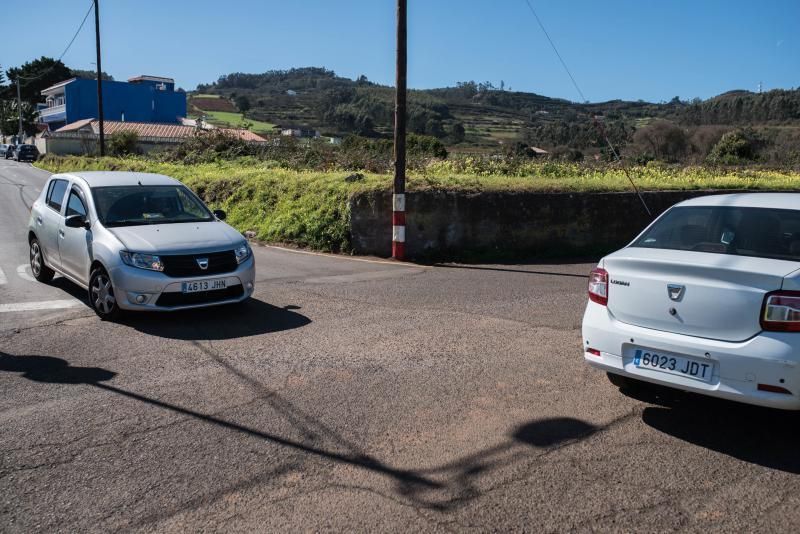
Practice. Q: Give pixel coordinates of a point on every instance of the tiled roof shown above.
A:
(152, 129)
(75, 126)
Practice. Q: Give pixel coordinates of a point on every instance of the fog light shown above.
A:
(249, 285)
(140, 299)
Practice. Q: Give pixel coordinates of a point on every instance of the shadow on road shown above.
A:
(760, 436)
(249, 318)
(441, 488)
(71, 289)
(508, 270)
(52, 370)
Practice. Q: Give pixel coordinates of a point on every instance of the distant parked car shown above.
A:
(26, 153)
(706, 299)
(8, 152)
(137, 241)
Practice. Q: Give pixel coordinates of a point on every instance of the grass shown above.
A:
(236, 120)
(311, 208)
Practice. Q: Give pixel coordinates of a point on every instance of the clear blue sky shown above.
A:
(628, 49)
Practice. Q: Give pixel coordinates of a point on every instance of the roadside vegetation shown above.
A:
(300, 193)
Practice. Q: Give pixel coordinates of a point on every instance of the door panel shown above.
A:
(75, 244)
(51, 219)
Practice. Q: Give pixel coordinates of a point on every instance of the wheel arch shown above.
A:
(95, 265)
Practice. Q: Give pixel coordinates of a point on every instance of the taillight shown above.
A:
(781, 312)
(598, 286)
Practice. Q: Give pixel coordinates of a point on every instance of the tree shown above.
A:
(9, 117)
(37, 75)
(661, 140)
(91, 75)
(457, 133)
(243, 103)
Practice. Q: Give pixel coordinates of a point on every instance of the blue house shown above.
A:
(140, 99)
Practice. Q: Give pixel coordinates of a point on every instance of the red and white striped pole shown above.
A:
(399, 226)
(399, 192)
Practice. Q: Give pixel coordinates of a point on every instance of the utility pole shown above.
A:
(399, 191)
(99, 78)
(20, 132)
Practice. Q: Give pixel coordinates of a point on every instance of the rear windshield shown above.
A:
(27, 148)
(134, 205)
(759, 232)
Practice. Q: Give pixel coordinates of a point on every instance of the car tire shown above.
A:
(40, 271)
(101, 295)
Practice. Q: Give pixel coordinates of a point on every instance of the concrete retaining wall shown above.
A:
(445, 225)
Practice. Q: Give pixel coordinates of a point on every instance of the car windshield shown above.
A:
(759, 232)
(133, 205)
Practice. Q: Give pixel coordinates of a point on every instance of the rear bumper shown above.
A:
(771, 358)
(163, 293)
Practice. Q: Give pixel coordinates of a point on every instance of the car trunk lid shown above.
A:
(715, 296)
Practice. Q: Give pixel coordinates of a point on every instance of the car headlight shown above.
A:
(242, 252)
(142, 261)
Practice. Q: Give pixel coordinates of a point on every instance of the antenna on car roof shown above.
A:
(585, 101)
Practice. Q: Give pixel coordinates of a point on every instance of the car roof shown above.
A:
(110, 178)
(786, 201)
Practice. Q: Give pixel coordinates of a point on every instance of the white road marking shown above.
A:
(41, 305)
(3, 279)
(22, 271)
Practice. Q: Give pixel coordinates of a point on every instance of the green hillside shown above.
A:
(478, 117)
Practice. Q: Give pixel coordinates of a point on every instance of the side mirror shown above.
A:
(76, 221)
(220, 214)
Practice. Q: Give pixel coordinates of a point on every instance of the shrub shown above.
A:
(739, 146)
(123, 143)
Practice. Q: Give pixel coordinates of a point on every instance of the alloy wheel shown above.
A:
(36, 259)
(103, 294)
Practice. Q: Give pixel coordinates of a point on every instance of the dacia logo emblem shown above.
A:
(675, 291)
(202, 263)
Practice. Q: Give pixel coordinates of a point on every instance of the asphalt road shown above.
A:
(360, 396)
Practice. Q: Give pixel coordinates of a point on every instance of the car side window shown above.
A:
(75, 205)
(55, 197)
(190, 205)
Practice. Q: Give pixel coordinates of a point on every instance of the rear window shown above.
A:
(759, 232)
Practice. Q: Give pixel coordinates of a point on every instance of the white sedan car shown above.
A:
(706, 299)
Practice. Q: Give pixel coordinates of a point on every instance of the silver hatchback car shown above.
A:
(137, 241)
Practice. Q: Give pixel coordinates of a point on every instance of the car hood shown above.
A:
(178, 237)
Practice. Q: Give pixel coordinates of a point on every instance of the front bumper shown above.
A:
(771, 358)
(163, 293)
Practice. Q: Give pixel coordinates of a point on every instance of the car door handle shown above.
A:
(61, 233)
(38, 220)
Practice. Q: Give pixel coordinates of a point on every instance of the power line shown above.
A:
(553, 45)
(585, 100)
(75, 36)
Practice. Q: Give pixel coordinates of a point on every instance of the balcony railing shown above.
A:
(55, 110)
